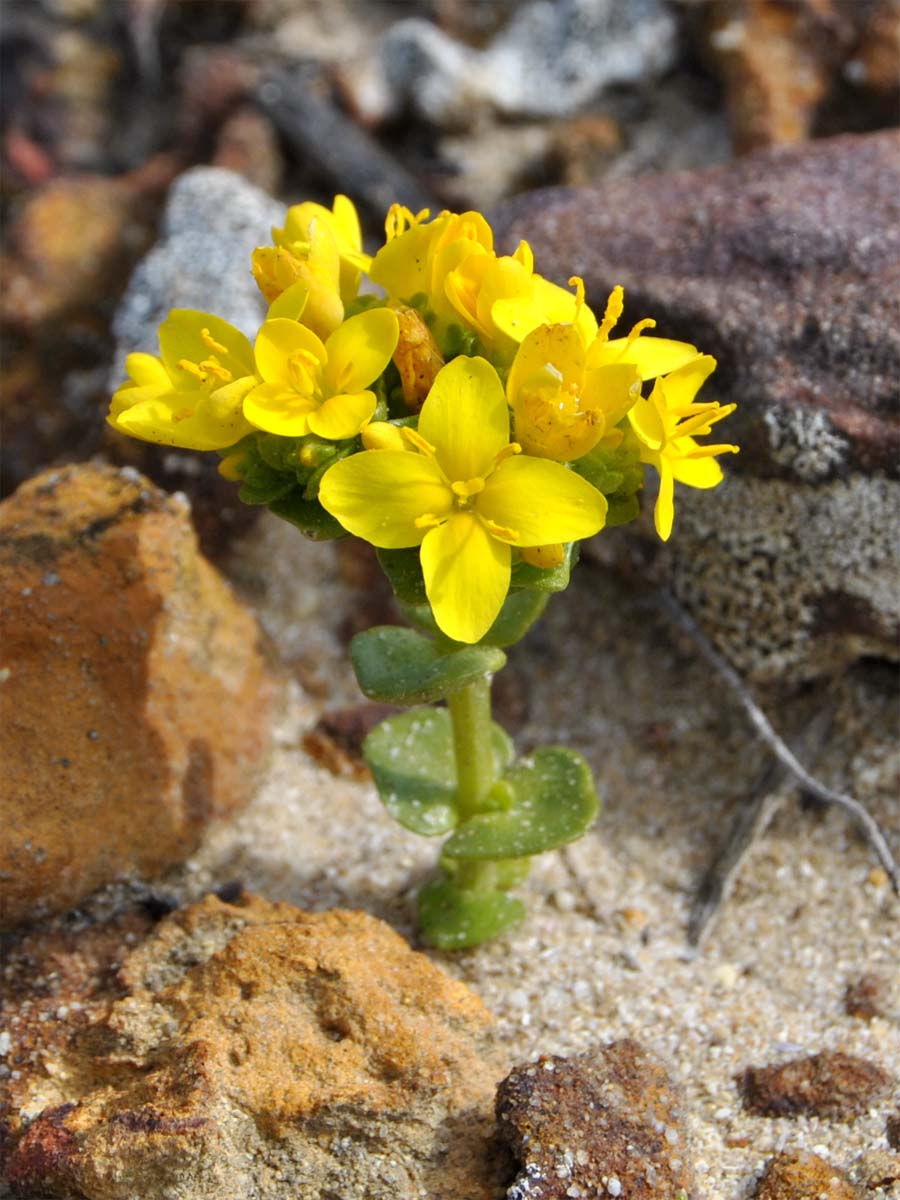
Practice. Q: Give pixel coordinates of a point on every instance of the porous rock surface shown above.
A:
(254, 1050)
(832, 1085)
(134, 704)
(803, 1175)
(786, 267)
(609, 1121)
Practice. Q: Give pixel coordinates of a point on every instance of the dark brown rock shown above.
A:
(831, 1085)
(336, 740)
(786, 267)
(802, 1175)
(864, 997)
(607, 1122)
(892, 1130)
(136, 703)
(249, 1048)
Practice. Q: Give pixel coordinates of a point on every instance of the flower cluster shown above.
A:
(459, 404)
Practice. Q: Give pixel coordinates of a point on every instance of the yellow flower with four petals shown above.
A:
(467, 497)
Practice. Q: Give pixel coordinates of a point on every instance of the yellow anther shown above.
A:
(211, 344)
(500, 531)
(647, 323)
(615, 305)
(466, 488)
(192, 369)
(578, 284)
(400, 218)
(507, 452)
(427, 521)
(211, 367)
(182, 414)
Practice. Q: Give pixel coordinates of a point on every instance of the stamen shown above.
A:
(578, 284)
(211, 344)
(466, 488)
(427, 521)
(614, 307)
(647, 323)
(192, 369)
(500, 531)
(507, 452)
(706, 451)
(214, 368)
(415, 439)
(182, 414)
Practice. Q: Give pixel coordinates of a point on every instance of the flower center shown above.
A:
(464, 491)
(303, 372)
(209, 372)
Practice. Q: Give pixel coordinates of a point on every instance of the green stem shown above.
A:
(476, 772)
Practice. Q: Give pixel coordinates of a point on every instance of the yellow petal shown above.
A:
(651, 355)
(664, 510)
(682, 385)
(360, 349)
(466, 576)
(541, 501)
(277, 342)
(173, 422)
(271, 406)
(702, 472)
(382, 435)
(379, 495)
(559, 345)
(613, 389)
(147, 370)
(181, 336)
(465, 418)
(646, 419)
(400, 266)
(291, 302)
(343, 416)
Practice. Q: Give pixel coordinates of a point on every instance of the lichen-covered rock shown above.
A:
(258, 1050)
(134, 703)
(832, 1085)
(607, 1122)
(785, 267)
(802, 1175)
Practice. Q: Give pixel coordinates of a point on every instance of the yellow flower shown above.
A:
(466, 497)
(322, 388)
(303, 280)
(666, 424)
(419, 254)
(562, 408)
(191, 395)
(342, 221)
(651, 355)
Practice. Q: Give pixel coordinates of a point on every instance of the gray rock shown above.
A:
(784, 265)
(213, 220)
(548, 61)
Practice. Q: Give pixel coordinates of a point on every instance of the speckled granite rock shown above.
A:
(786, 267)
(254, 1049)
(802, 1175)
(135, 705)
(608, 1122)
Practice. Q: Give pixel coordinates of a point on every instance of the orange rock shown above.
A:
(802, 1175)
(261, 1050)
(134, 704)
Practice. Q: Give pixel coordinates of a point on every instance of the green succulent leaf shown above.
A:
(519, 612)
(308, 515)
(404, 570)
(622, 509)
(412, 760)
(453, 918)
(552, 801)
(546, 579)
(400, 666)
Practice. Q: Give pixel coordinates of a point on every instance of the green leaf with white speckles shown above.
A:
(399, 666)
(551, 801)
(453, 918)
(412, 761)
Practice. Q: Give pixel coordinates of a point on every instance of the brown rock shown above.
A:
(607, 1119)
(802, 1175)
(864, 998)
(831, 1085)
(892, 1130)
(878, 1170)
(786, 267)
(256, 1049)
(135, 704)
(336, 740)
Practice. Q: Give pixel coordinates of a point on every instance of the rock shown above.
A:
(336, 740)
(610, 1118)
(247, 143)
(892, 1130)
(549, 60)
(783, 266)
(254, 1049)
(832, 1085)
(802, 1175)
(71, 243)
(864, 998)
(213, 221)
(779, 63)
(135, 704)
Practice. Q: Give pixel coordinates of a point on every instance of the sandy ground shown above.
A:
(603, 952)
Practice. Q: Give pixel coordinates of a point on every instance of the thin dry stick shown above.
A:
(863, 819)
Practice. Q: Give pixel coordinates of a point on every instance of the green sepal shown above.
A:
(453, 918)
(362, 303)
(552, 802)
(280, 453)
(404, 570)
(519, 612)
(622, 509)
(399, 666)
(308, 515)
(412, 760)
(546, 579)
